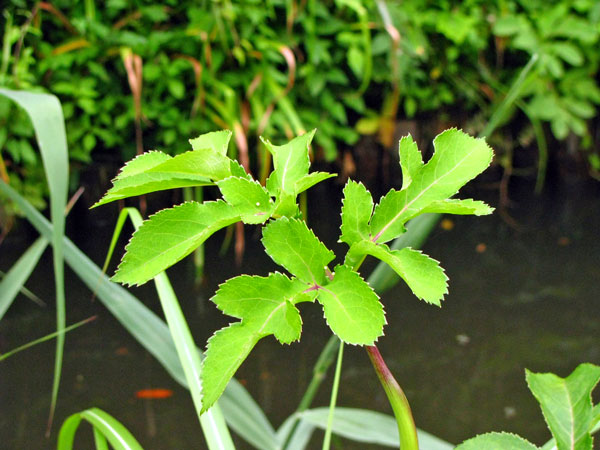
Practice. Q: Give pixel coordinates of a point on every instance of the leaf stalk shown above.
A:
(406, 424)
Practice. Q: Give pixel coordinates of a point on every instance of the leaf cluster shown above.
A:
(268, 305)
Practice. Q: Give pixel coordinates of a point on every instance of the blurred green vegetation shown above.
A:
(138, 75)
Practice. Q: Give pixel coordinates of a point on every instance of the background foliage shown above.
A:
(135, 75)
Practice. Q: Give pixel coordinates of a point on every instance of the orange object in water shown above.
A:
(154, 393)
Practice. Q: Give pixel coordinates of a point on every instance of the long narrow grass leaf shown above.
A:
(511, 96)
(115, 433)
(47, 118)
(212, 422)
(45, 338)
(125, 212)
(16, 277)
(369, 426)
(333, 401)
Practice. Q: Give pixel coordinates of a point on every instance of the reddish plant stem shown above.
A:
(397, 399)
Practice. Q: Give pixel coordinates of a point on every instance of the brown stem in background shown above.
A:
(19, 45)
(133, 66)
(56, 13)
(198, 97)
(240, 243)
(290, 59)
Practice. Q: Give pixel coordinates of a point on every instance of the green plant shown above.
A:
(266, 305)
(567, 407)
(240, 411)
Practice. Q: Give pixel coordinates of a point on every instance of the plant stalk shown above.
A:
(406, 424)
(334, 393)
(319, 374)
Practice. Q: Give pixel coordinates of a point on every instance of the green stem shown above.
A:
(46, 338)
(406, 424)
(332, 402)
(512, 95)
(6, 44)
(319, 373)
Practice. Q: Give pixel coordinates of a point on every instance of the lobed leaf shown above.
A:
(141, 163)
(423, 275)
(291, 244)
(252, 201)
(248, 296)
(411, 159)
(290, 162)
(456, 206)
(225, 352)
(352, 309)
(356, 213)
(150, 172)
(215, 140)
(308, 181)
(458, 158)
(266, 306)
(496, 441)
(169, 236)
(196, 164)
(567, 404)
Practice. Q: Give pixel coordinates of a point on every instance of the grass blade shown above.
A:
(16, 277)
(332, 402)
(47, 118)
(361, 425)
(46, 338)
(116, 233)
(104, 424)
(152, 333)
(512, 95)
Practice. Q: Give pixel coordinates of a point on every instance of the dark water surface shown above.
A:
(518, 299)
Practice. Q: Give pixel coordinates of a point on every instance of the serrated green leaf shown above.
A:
(308, 181)
(567, 404)
(237, 170)
(292, 245)
(352, 309)
(497, 441)
(225, 352)
(286, 206)
(206, 163)
(422, 274)
(458, 158)
(215, 140)
(290, 162)
(252, 201)
(456, 206)
(169, 236)
(356, 212)
(411, 159)
(141, 163)
(154, 171)
(266, 306)
(248, 296)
